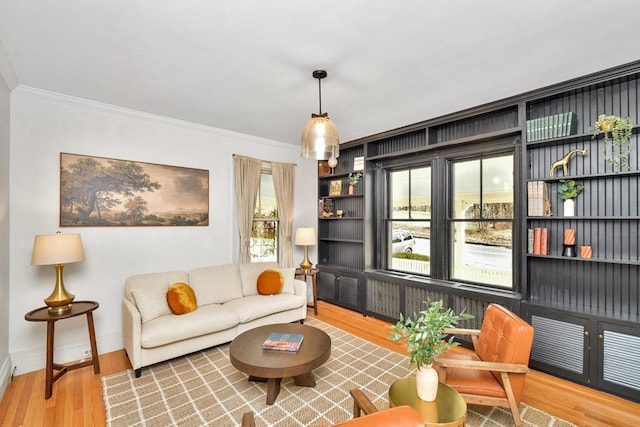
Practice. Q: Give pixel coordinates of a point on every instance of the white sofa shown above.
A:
(228, 303)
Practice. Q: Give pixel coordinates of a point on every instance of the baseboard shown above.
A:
(5, 375)
(35, 359)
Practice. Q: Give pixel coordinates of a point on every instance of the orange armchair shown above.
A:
(495, 372)
(400, 416)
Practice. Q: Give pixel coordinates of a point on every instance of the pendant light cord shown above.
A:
(320, 96)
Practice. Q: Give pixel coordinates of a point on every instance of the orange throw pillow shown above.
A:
(270, 282)
(181, 298)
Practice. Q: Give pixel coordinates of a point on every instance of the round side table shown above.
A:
(448, 410)
(78, 308)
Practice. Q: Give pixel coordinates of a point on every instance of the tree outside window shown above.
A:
(264, 244)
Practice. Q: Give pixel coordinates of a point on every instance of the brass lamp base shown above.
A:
(306, 265)
(60, 300)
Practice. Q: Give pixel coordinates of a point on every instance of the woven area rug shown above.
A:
(204, 389)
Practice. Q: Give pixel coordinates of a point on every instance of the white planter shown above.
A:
(569, 207)
(427, 383)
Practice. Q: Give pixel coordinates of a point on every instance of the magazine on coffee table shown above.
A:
(283, 341)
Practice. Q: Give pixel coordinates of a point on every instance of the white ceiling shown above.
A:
(245, 65)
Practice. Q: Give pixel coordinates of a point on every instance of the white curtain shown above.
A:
(247, 176)
(283, 174)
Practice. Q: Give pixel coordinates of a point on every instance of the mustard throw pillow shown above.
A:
(270, 282)
(181, 298)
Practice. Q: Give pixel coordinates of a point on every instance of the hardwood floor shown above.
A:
(77, 396)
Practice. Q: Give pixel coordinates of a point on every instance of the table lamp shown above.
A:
(305, 236)
(57, 249)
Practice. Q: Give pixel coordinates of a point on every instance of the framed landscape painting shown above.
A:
(102, 192)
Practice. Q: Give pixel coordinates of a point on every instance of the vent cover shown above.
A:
(558, 343)
(621, 359)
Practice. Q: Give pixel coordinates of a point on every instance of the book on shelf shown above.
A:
(538, 241)
(538, 203)
(554, 126)
(283, 342)
(544, 241)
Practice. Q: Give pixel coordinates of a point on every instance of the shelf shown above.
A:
(591, 176)
(578, 259)
(583, 218)
(359, 218)
(343, 196)
(568, 139)
(590, 312)
(332, 239)
(515, 131)
(341, 175)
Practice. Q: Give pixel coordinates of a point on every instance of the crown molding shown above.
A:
(128, 112)
(6, 71)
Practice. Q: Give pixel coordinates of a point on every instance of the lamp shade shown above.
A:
(305, 236)
(51, 249)
(320, 138)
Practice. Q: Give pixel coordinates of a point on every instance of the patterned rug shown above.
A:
(204, 389)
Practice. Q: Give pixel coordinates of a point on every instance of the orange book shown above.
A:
(544, 241)
(536, 240)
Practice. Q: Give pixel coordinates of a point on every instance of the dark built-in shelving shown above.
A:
(590, 306)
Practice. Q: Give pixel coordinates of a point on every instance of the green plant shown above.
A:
(354, 178)
(425, 335)
(569, 189)
(616, 132)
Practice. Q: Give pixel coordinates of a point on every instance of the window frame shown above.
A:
(440, 162)
(266, 170)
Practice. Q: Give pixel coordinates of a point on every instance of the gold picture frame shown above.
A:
(335, 187)
(104, 192)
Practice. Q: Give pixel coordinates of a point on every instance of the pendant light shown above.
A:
(320, 136)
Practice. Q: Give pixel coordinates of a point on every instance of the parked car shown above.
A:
(402, 241)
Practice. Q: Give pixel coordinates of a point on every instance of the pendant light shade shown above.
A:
(320, 139)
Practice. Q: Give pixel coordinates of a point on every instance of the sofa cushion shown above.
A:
(256, 306)
(249, 273)
(216, 284)
(181, 298)
(149, 292)
(289, 275)
(169, 329)
(270, 282)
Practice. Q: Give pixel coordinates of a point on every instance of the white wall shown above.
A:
(45, 124)
(5, 362)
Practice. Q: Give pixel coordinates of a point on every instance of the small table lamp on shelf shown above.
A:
(57, 249)
(306, 236)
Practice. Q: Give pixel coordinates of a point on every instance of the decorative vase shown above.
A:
(569, 207)
(427, 383)
(352, 189)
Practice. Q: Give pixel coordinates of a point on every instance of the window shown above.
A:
(482, 222)
(409, 224)
(451, 218)
(264, 243)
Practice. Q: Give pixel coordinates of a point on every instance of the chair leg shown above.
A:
(513, 405)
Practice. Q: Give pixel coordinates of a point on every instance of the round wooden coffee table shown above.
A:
(247, 355)
(448, 410)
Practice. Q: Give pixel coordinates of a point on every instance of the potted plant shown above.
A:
(353, 181)
(616, 132)
(425, 338)
(568, 191)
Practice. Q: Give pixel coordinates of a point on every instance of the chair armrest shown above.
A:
(482, 365)
(361, 403)
(462, 331)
